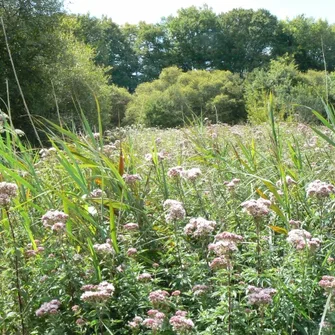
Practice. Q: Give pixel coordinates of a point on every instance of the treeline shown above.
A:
(198, 62)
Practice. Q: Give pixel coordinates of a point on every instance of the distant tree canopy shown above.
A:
(197, 38)
(53, 67)
(140, 72)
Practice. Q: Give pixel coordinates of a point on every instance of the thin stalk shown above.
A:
(17, 275)
(10, 117)
(18, 83)
(177, 242)
(258, 248)
(325, 313)
(229, 300)
(200, 200)
(57, 109)
(166, 192)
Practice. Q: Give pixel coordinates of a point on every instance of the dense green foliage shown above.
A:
(177, 97)
(111, 225)
(54, 69)
(67, 65)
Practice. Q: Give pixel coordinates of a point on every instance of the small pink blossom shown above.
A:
(80, 322)
(158, 297)
(97, 293)
(135, 324)
(144, 277)
(328, 284)
(104, 248)
(199, 227)
(131, 179)
(220, 263)
(48, 308)
(156, 320)
(302, 239)
(131, 226)
(257, 208)
(180, 323)
(260, 296)
(320, 189)
(131, 252)
(191, 174)
(175, 172)
(52, 217)
(175, 210)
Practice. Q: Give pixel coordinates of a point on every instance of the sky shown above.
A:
(151, 11)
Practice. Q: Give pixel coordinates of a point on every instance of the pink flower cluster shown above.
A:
(98, 193)
(225, 244)
(32, 252)
(144, 277)
(175, 210)
(109, 149)
(231, 185)
(131, 226)
(320, 189)
(223, 247)
(178, 171)
(301, 239)
(191, 174)
(328, 284)
(289, 182)
(131, 179)
(160, 155)
(158, 297)
(104, 248)
(175, 172)
(226, 236)
(131, 252)
(199, 227)
(295, 223)
(135, 324)
(55, 220)
(97, 293)
(50, 307)
(180, 323)
(7, 192)
(155, 320)
(257, 208)
(260, 296)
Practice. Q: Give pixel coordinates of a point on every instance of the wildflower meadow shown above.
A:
(208, 229)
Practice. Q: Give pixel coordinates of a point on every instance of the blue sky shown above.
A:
(151, 11)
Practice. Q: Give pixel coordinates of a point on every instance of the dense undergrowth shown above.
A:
(209, 229)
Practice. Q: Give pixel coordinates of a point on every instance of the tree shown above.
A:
(249, 38)
(312, 43)
(295, 93)
(194, 37)
(112, 47)
(153, 49)
(47, 60)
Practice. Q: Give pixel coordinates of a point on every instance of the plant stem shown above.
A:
(177, 242)
(17, 275)
(229, 300)
(200, 200)
(258, 248)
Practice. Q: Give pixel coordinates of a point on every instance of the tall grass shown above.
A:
(274, 161)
